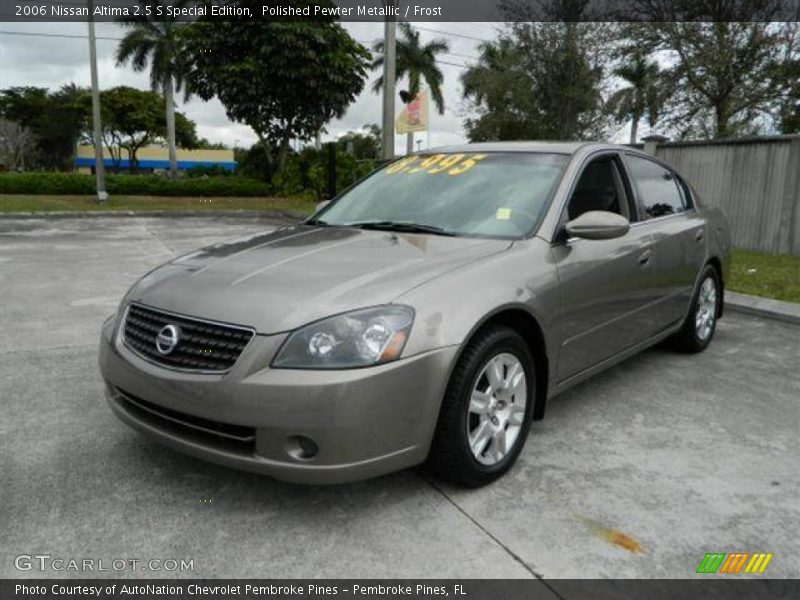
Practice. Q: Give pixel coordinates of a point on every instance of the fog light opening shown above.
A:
(301, 447)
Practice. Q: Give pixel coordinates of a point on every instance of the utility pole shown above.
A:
(389, 66)
(99, 167)
(170, 105)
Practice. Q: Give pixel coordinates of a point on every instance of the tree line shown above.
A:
(40, 129)
(690, 80)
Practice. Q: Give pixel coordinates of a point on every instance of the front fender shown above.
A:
(451, 308)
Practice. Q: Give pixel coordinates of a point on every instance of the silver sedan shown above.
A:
(426, 315)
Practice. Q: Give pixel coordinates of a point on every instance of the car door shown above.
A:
(605, 285)
(667, 212)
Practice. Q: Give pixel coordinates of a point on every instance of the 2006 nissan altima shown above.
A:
(426, 314)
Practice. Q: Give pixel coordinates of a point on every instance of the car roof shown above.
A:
(552, 147)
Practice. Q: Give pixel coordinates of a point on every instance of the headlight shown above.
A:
(356, 339)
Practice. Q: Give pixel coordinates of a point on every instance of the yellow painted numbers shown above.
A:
(467, 164)
(426, 163)
(401, 164)
(449, 164)
(445, 163)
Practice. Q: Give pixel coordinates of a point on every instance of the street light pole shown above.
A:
(99, 167)
(389, 57)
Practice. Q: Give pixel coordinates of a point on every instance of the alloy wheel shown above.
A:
(706, 309)
(496, 408)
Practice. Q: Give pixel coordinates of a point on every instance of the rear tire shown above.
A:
(701, 322)
(487, 410)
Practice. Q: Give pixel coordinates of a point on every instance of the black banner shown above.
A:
(402, 10)
(711, 588)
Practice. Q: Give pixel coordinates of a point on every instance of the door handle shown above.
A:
(644, 257)
(699, 235)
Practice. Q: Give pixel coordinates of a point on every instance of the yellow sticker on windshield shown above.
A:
(451, 164)
(503, 214)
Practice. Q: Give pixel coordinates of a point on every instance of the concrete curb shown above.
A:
(788, 312)
(67, 214)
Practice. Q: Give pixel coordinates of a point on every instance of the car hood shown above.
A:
(281, 280)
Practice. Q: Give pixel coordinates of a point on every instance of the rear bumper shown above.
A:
(364, 422)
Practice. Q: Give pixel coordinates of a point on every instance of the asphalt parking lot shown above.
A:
(636, 473)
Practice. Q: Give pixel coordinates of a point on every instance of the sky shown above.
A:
(45, 61)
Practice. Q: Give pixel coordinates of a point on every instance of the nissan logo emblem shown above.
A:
(167, 339)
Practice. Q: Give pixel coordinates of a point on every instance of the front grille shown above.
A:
(235, 438)
(202, 346)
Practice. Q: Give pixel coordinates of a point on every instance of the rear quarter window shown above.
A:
(687, 193)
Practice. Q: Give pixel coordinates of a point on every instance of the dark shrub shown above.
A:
(133, 185)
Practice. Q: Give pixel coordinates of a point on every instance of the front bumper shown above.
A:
(364, 422)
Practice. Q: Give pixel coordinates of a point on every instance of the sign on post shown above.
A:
(414, 117)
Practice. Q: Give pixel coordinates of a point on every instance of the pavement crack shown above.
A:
(516, 557)
(160, 241)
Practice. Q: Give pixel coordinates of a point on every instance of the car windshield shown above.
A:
(490, 194)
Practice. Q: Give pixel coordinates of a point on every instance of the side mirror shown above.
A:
(321, 205)
(598, 225)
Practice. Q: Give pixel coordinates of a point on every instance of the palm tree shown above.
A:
(418, 62)
(644, 95)
(158, 42)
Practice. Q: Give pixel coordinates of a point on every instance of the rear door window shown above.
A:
(656, 187)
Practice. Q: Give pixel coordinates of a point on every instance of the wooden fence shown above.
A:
(756, 181)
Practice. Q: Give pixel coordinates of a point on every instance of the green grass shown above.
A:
(48, 203)
(50, 183)
(768, 275)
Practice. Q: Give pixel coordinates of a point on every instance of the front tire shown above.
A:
(701, 322)
(487, 410)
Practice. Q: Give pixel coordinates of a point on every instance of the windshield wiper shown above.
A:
(402, 226)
